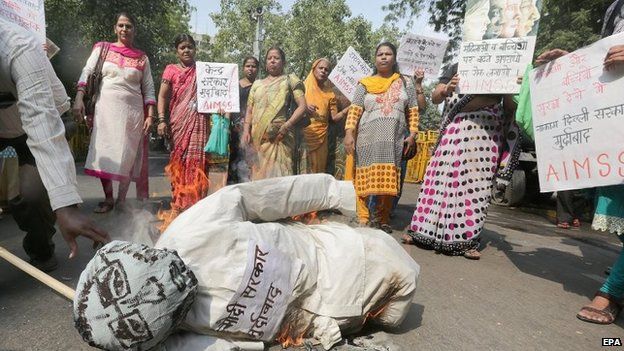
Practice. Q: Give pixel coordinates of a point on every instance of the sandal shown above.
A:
(104, 207)
(122, 206)
(386, 228)
(407, 240)
(472, 254)
(576, 224)
(609, 313)
(563, 225)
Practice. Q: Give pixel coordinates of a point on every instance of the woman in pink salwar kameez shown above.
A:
(123, 115)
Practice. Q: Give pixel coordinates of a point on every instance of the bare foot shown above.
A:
(472, 254)
(406, 239)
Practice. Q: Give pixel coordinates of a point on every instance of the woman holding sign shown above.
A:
(189, 167)
(455, 195)
(269, 124)
(123, 114)
(383, 109)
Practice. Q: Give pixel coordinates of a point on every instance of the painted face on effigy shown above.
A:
(477, 19)
(529, 14)
(504, 19)
(131, 296)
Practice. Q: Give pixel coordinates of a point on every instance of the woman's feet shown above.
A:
(104, 206)
(576, 224)
(602, 310)
(407, 240)
(472, 254)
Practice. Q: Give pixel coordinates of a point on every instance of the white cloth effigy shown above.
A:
(336, 274)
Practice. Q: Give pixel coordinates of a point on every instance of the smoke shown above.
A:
(138, 225)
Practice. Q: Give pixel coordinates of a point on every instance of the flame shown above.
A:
(187, 189)
(307, 218)
(287, 340)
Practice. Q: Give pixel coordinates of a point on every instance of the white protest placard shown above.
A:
(29, 14)
(578, 118)
(217, 87)
(493, 66)
(417, 51)
(258, 306)
(348, 72)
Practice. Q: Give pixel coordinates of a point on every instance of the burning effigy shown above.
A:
(230, 271)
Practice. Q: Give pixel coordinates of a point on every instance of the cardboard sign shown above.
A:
(578, 118)
(498, 44)
(29, 14)
(348, 72)
(217, 87)
(417, 51)
(493, 66)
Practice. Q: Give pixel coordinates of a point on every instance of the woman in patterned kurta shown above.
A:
(118, 145)
(383, 108)
(477, 144)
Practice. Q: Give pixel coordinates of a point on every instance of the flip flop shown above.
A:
(472, 254)
(104, 207)
(563, 225)
(386, 228)
(576, 224)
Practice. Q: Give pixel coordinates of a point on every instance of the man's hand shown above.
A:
(74, 223)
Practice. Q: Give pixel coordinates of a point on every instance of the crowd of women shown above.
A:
(287, 126)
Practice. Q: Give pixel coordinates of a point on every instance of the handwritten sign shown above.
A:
(259, 304)
(348, 72)
(416, 51)
(217, 87)
(578, 118)
(29, 14)
(493, 66)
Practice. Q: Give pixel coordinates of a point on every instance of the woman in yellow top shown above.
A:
(321, 103)
(383, 107)
(267, 125)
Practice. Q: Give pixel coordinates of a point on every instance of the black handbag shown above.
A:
(94, 81)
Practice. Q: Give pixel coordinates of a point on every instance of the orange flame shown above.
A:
(307, 218)
(288, 340)
(187, 189)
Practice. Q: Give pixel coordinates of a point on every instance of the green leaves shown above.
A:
(311, 29)
(75, 25)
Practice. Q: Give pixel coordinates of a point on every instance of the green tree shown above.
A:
(75, 25)
(310, 29)
(566, 24)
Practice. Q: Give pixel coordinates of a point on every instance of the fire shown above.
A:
(307, 218)
(187, 189)
(287, 340)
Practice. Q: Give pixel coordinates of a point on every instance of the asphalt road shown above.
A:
(522, 295)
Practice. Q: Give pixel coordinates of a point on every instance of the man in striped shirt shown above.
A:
(31, 100)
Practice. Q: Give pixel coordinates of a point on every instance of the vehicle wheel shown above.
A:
(514, 192)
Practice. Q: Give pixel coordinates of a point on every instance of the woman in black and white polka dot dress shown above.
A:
(477, 144)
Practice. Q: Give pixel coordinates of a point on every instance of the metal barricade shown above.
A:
(417, 166)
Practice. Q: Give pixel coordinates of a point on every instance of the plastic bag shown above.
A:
(218, 142)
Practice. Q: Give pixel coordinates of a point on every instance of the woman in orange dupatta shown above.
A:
(321, 104)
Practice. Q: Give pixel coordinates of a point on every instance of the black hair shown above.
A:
(255, 60)
(395, 66)
(180, 38)
(277, 48)
(126, 15)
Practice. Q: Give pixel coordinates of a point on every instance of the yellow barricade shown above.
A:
(417, 166)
